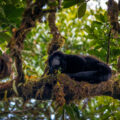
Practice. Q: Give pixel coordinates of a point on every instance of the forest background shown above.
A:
(28, 32)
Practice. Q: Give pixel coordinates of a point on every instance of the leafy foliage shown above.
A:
(10, 17)
(85, 32)
(98, 108)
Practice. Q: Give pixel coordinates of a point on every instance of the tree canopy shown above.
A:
(30, 31)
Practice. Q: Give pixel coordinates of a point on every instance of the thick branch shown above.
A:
(63, 89)
(57, 40)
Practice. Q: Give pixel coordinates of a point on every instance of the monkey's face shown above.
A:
(54, 64)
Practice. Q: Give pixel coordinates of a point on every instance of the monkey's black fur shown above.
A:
(81, 68)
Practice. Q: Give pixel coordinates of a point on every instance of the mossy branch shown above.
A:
(63, 89)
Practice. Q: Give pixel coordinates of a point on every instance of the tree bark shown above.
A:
(63, 89)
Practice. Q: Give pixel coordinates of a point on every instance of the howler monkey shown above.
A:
(81, 68)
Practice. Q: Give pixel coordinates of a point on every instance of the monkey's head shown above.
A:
(57, 62)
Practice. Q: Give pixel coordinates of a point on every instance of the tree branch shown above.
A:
(63, 89)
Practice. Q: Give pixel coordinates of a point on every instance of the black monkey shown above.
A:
(81, 68)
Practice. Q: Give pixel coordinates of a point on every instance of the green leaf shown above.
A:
(70, 112)
(100, 17)
(13, 13)
(76, 111)
(73, 111)
(88, 28)
(2, 12)
(50, 3)
(82, 10)
(69, 3)
(14, 88)
(96, 23)
(0, 52)
(4, 37)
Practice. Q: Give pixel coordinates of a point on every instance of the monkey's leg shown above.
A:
(90, 76)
